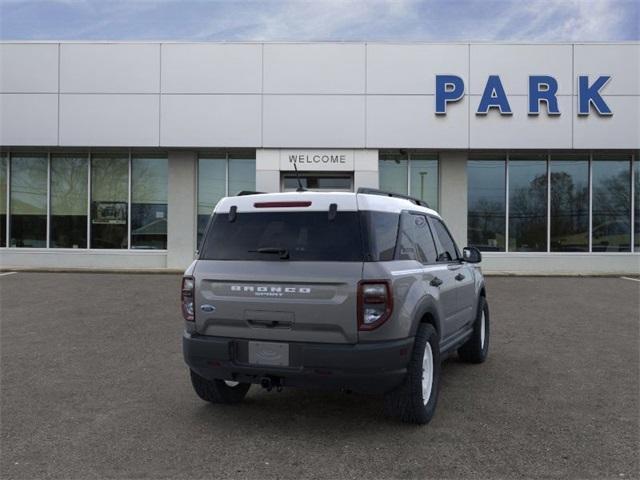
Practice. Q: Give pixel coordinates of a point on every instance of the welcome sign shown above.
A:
(317, 160)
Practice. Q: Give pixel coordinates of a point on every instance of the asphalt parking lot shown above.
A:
(93, 386)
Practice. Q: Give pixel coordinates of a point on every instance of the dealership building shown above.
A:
(113, 155)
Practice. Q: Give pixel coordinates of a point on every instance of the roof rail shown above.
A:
(242, 193)
(375, 191)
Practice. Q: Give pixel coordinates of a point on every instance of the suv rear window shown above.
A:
(305, 236)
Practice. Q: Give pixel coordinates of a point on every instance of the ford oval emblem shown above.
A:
(208, 308)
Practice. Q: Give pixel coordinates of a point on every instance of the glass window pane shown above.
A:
(149, 193)
(424, 179)
(109, 196)
(212, 173)
(3, 199)
(69, 201)
(528, 204)
(449, 249)
(569, 203)
(415, 240)
(28, 201)
(242, 175)
(393, 172)
(486, 204)
(611, 230)
(636, 221)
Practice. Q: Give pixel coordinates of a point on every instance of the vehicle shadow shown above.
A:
(310, 410)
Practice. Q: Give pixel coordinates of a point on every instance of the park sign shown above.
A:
(542, 89)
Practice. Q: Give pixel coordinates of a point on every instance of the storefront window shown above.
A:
(109, 197)
(487, 203)
(212, 174)
(3, 199)
(569, 203)
(528, 203)
(611, 215)
(421, 180)
(393, 172)
(68, 202)
(636, 213)
(424, 178)
(220, 175)
(149, 193)
(28, 201)
(242, 174)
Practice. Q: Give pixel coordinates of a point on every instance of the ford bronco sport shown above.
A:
(361, 292)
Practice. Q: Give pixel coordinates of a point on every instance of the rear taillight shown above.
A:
(186, 298)
(375, 303)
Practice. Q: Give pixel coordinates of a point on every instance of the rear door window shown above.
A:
(415, 241)
(304, 236)
(447, 250)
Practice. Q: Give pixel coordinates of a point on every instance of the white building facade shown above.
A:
(112, 155)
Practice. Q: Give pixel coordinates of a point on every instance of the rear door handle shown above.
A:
(435, 282)
(459, 277)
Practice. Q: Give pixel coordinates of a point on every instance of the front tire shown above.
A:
(476, 349)
(219, 391)
(415, 400)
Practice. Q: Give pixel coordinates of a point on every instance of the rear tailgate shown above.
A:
(278, 300)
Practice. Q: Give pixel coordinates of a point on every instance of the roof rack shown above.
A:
(375, 191)
(242, 193)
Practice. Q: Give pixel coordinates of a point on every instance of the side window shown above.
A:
(415, 241)
(447, 251)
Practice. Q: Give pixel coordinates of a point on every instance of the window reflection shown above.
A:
(486, 200)
(68, 202)
(611, 231)
(242, 174)
(424, 178)
(569, 203)
(528, 204)
(3, 199)
(393, 172)
(149, 177)
(212, 172)
(636, 214)
(28, 201)
(109, 196)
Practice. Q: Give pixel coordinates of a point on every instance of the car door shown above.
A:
(416, 242)
(461, 276)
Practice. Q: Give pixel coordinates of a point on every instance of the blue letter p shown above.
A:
(449, 88)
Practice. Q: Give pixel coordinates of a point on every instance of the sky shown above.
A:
(321, 20)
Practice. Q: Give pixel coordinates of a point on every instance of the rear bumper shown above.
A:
(366, 367)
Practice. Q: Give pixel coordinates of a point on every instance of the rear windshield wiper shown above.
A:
(283, 252)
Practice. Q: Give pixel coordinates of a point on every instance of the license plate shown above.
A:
(268, 353)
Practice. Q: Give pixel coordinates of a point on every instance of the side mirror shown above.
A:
(471, 255)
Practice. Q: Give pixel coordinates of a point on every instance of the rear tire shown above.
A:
(415, 400)
(218, 391)
(476, 349)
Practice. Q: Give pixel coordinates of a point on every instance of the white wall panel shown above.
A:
(218, 68)
(109, 68)
(109, 120)
(411, 69)
(29, 68)
(210, 120)
(514, 64)
(521, 130)
(621, 61)
(620, 130)
(314, 68)
(28, 119)
(322, 121)
(397, 121)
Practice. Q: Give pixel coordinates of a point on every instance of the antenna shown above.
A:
(300, 187)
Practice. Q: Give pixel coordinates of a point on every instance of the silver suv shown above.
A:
(361, 292)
